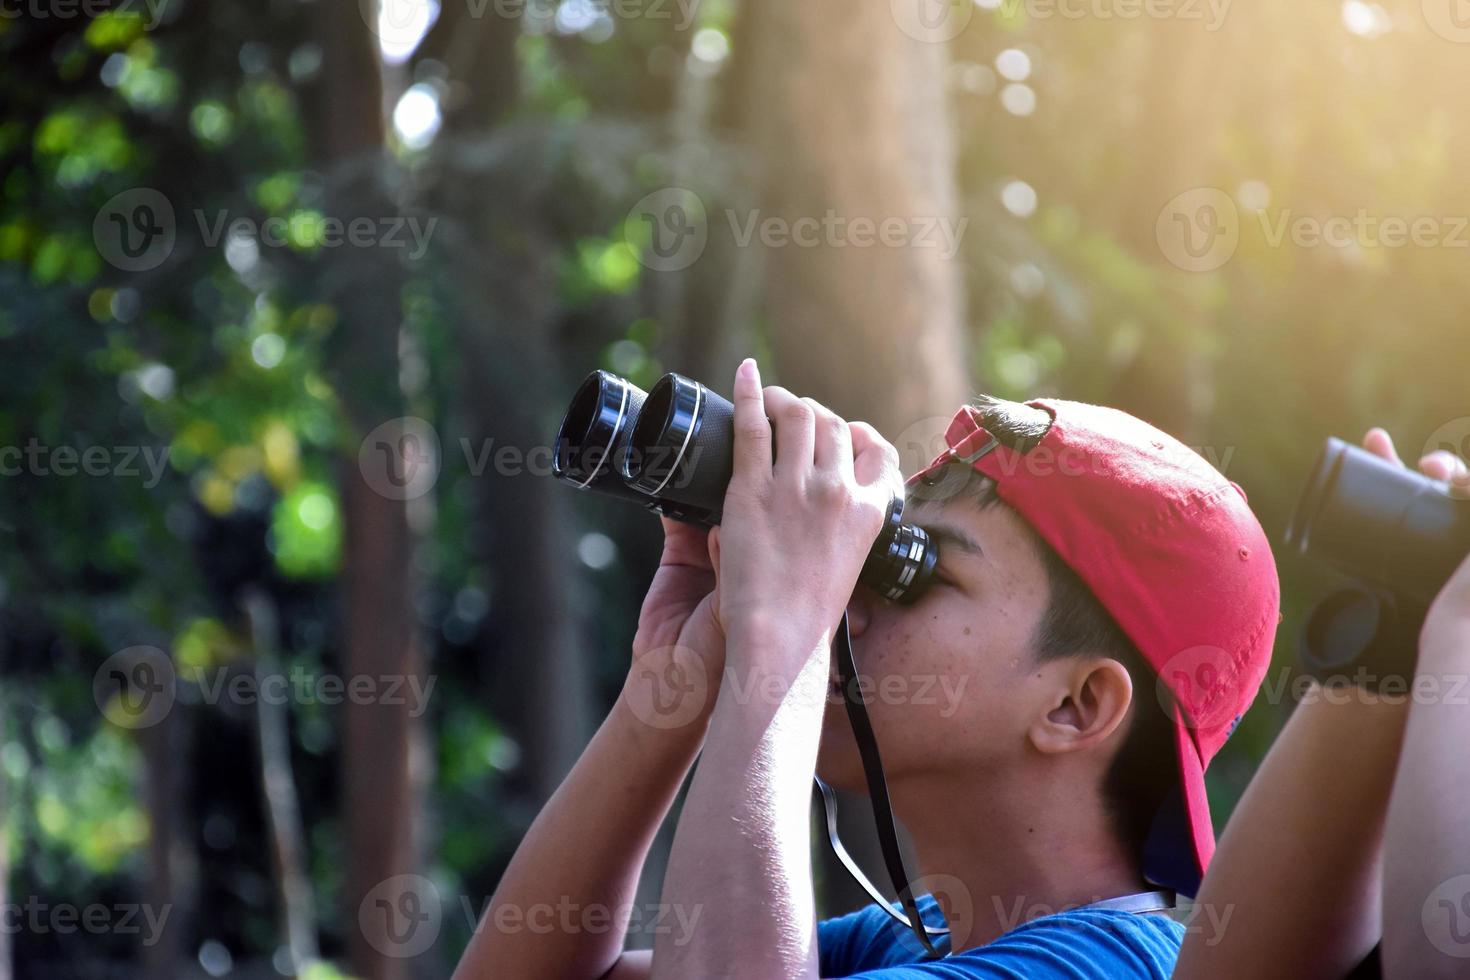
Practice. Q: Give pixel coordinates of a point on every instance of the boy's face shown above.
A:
(952, 680)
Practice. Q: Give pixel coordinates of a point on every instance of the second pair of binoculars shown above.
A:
(671, 449)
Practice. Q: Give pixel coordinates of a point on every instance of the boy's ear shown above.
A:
(1089, 706)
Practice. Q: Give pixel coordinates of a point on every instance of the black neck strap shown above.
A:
(862, 730)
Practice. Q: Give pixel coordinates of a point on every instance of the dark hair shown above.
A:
(1075, 624)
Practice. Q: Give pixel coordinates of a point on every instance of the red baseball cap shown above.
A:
(1170, 548)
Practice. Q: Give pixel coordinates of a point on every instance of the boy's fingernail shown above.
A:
(747, 368)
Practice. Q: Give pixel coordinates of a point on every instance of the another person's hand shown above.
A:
(798, 528)
(1424, 836)
(1447, 626)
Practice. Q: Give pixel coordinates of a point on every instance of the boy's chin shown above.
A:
(838, 761)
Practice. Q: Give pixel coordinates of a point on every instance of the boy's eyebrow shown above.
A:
(950, 536)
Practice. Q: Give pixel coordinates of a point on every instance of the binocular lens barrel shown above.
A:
(682, 448)
(1381, 522)
(672, 450)
(594, 434)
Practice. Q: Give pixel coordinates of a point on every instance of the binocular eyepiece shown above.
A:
(672, 450)
(1381, 523)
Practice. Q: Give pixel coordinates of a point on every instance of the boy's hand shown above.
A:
(678, 651)
(796, 530)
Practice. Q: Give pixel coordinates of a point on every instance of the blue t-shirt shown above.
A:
(1082, 943)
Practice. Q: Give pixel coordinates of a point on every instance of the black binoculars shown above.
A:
(672, 450)
(1381, 523)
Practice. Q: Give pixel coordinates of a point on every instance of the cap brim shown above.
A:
(1182, 839)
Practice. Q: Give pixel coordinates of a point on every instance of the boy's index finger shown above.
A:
(752, 429)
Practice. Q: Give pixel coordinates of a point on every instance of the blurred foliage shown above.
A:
(207, 379)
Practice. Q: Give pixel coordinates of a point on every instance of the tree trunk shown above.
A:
(172, 863)
(848, 117)
(381, 782)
